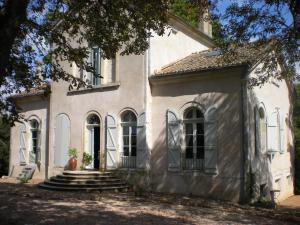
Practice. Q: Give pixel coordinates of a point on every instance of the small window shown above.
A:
(194, 138)
(129, 133)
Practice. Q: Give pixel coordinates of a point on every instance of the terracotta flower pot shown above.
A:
(72, 163)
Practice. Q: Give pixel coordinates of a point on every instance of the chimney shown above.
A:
(204, 24)
(38, 69)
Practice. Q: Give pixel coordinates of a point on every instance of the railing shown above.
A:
(193, 164)
(128, 161)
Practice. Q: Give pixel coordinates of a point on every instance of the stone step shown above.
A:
(78, 180)
(114, 184)
(85, 173)
(108, 188)
(72, 177)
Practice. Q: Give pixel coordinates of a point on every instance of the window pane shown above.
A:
(189, 152)
(200, 152)
(200, 128)
(93, 119)
(133, 151)
(126, 151)
(34, 124)
(189, 128)
(133, 140)
(125, 130)
(128, 116)
(189, 140)
(125, 140)
(199, 114)
(200, 140)
(34, 134)
(189, 114)
(133, 130)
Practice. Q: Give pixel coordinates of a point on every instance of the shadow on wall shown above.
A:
(225, 185)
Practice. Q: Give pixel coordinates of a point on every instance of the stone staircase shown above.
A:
(85, 181)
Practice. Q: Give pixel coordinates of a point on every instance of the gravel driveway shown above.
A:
(27, 204)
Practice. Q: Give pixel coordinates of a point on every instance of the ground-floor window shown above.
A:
(34, 153)
(129, 128)
(193, 157)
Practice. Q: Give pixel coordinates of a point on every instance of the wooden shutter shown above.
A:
(273, 137)
(142, 158)
(173, 140)
(111, 142)
(210, 141)
(23, 144)
(62, 140)
(282, 133)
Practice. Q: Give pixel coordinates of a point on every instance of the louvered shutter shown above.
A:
(257, 131)
(273, 137)
(173, 140)
(142, 158)
(210, 142)
(23, 144)
(111, 142)
(39, 143)
(282, 133)
(62, 140)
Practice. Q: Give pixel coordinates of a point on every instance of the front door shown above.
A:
(96, 151)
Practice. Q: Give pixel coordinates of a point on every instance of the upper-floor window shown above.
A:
(96, 64)
(194, 138)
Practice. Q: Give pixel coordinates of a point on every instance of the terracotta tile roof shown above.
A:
(213, 59)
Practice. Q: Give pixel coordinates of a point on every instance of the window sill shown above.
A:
(98, 88)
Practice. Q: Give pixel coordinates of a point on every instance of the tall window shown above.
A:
(194, 139)
(34, 153)
(96, 64)
(263, 130)
(129, 123)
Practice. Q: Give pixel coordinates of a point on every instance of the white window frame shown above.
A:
(194, 121)
(132, 123)
(38, 150)
(95, 81)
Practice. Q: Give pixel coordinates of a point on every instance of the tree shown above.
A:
(275, 23)
(29, 27)
(4, 147)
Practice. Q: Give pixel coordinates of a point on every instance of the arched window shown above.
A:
(129, 123)
(193, 120)
(93, 140)
(34, 153)
(263, 129)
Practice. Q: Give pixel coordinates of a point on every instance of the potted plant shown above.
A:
(86, 160)
(73, 158)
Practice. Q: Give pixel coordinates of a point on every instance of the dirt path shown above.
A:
(27, 204)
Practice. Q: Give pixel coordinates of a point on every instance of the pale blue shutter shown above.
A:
(173, 140)
(210, 141)
(142, 158)
(273, 137)
(111, 142)
(23, 144)
(62, 140)
(282, 133)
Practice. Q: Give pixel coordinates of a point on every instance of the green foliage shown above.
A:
(296, 120)
(86, 159)
(4, 147)
(186, 11)
(72, 152)
(23, 180)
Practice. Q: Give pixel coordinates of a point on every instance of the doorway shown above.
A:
(93, 140)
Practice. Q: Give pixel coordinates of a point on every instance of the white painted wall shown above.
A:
(170, 47)
(277, 94)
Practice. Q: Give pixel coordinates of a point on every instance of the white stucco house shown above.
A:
(178, 112)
